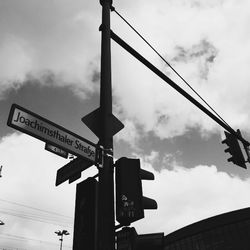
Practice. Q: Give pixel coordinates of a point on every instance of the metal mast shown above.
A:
(106, 234)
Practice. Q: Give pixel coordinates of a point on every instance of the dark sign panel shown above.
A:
(85, 215)
(72, 170)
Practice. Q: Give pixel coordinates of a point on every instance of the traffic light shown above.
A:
(154, 241)
(127, 238)
(234, 149)
(85, 215)
(130, 203)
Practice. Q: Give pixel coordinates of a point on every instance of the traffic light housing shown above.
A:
(130, 203)
(154, 241)
(127, 238)
(234, 149)
(85, 215)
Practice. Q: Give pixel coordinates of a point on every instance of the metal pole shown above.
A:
(139, 57)
(61, 241)
(106, 235)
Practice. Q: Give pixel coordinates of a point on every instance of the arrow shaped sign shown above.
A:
(72, 170)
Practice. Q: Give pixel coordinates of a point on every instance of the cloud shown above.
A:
(28, 179)
(58, 43)
(215, 46)
(63, 41)
(58, 37)
(14, 63)
(203, 54)
(185, 196)
(130, 134)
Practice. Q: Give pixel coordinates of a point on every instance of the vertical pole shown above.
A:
(106, 234)
(61, 239)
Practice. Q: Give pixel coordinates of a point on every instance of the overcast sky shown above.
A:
(50, 64)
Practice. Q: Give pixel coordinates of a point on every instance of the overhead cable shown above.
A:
(113, 9)
(34, 208)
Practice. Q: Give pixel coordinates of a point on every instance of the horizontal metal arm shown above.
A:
(139, 57)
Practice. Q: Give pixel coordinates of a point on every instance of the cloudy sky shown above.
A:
(50, 64)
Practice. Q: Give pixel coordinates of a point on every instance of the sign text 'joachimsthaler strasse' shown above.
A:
(45, 130)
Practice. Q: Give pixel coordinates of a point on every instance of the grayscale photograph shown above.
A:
(124, 125)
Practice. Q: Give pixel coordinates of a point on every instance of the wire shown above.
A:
(39, 219)
(34, 208)
(113, 9)
(49, 217)
(22, 238)
(2, 247)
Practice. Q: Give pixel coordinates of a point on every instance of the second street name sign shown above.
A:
(45, 130)
(56, 150)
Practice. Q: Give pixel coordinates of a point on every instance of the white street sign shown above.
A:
(56, 150)
(45, 130)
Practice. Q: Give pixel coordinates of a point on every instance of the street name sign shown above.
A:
(45, 130)
(56, 150)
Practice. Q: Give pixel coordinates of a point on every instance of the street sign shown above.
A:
(75, 177)
(45, 130)
(72, 170)
(56, 150)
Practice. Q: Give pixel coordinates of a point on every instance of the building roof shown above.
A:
(208, 224)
